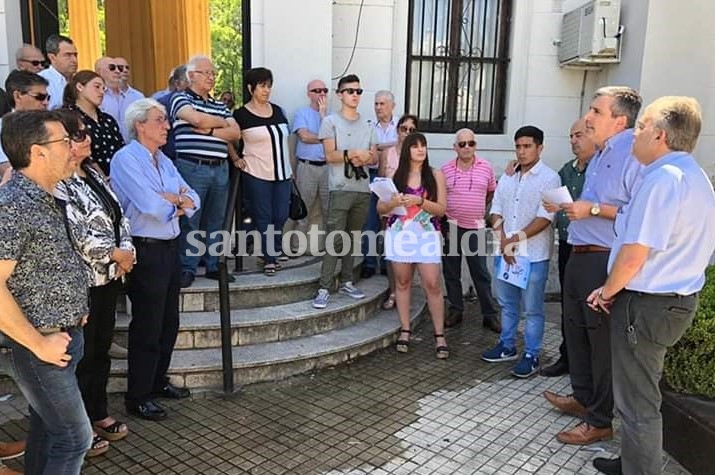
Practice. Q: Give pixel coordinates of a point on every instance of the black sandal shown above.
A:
(99, 446)
(113, 432)
(403, 346)
(442, 350)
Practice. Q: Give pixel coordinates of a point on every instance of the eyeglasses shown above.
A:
(34, 62)
(407, 130)
(39, 97)
(79, 136)
(66, 139)
(320, 90)
(210, 74)
(351, 91)
(465, 143)
(159, 120)
(119, 67)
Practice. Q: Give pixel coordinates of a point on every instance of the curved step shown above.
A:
(276, 323)
(196, 368)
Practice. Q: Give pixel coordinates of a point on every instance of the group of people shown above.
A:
(115, 184)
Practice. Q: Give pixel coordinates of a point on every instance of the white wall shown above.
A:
(10, 36)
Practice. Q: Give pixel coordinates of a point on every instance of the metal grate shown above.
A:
(457, 64)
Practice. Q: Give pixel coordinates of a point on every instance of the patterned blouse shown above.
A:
(106, 137)
(93, 219)
(414, 213)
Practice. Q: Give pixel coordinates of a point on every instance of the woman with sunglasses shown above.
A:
(413, 239)
(389, 160)
(100, 233)
(84, 93)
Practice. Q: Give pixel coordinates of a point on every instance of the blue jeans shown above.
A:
(513, 300)
(60, 433)
(372, 223)
(268, 203)
(211, 184)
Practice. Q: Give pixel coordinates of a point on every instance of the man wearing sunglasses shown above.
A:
(116, 99)
(62, 54)
(26, 91)
(350, 144)
(470, 189)
(29, 58)
(311, 176)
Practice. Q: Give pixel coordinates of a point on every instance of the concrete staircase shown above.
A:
(275, 331)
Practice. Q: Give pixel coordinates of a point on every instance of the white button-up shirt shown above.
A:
(56, 88)
(517, 199)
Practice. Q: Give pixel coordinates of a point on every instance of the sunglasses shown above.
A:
(119, 67)
(351, 91)
(320, 90)
(39, 97)
(407, 130)
(34, 62)
(470, 143)
(79, 136)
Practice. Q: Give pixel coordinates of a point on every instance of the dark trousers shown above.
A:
(93, 370)
(154, 292)
(657, 323)
(477, 264)
(268, 204)
(372, 223)
(564, 254)
(588, 338)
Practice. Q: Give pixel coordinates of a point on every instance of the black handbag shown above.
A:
(297, 210)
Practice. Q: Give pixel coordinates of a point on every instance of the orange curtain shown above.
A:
(84, 31)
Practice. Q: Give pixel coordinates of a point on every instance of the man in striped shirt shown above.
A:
(470, 188)
(202, 128)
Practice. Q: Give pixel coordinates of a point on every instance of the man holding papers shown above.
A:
(611, 180)
(526, 237)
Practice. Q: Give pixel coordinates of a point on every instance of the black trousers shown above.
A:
(477, 264)
(588, 337)
(564, 254)
(154, 293)
(93, 370)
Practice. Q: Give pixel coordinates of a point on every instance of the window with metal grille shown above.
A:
(457, 63)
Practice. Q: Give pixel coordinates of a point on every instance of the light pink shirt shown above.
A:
(467, 192)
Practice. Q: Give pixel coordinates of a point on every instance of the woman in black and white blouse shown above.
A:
(101, 235)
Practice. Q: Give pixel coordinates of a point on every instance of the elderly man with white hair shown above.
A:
(203, 128)
(154, 197)
(29, 58)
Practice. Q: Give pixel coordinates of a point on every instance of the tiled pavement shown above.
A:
(383, 414)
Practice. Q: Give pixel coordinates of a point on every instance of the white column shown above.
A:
(10, 36)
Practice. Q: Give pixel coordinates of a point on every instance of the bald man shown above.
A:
(116, 98)
(30, 58)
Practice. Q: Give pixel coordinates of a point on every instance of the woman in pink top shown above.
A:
(389, 160)
(413, 239)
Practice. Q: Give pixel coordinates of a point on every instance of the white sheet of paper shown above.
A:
(557, 196)
(515, 274)
(384, 188)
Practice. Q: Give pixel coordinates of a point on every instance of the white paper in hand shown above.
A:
(557, 196)
(515, 274)
(384, 188)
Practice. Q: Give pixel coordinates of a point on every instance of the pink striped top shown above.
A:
(467, 192)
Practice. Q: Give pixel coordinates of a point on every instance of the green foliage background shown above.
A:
(226, 41)
(690, 364)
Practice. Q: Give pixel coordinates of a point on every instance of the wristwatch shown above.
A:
(595, 209)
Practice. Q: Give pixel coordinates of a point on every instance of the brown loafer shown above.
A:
(585, 434)
(566, 404)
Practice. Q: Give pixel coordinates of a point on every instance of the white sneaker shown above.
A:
(321, 299)
(351, 291)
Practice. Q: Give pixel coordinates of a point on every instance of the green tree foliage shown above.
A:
(226, 46)
(63, 19)
(690, 364)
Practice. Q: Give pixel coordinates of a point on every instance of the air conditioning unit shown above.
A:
(591, 35)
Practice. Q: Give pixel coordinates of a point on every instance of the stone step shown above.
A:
(201, 368)
(276, 323)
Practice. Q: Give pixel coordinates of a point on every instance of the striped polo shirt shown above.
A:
(264, 144)
(467, 192)
(187, 140)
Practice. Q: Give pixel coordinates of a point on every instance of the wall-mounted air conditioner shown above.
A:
(591, 35)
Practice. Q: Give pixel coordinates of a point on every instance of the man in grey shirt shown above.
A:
(349, 142)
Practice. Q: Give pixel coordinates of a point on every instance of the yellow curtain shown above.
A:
(84, 31)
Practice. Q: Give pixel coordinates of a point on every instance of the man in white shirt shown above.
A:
(62, 54)
(526, 235)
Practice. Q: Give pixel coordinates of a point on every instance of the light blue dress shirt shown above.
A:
(115, 104)
(673, 214)
(611, 178)
(139, 184)
(309, 119)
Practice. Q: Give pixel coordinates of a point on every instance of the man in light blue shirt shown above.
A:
(656, 268)
(62, 54)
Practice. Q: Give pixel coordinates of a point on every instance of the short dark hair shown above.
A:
(256, 76)
(52, 45)
(70, 95)
(5, 106)
(22, 81)
(21, 130)
(347, 80)
(626, 102)
(411, 117)
(530, 131)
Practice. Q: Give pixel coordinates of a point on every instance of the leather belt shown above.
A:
(149, 240)
(315, 163)
(210, 162)
(661, 294)
(51, 330)
(589, 248)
